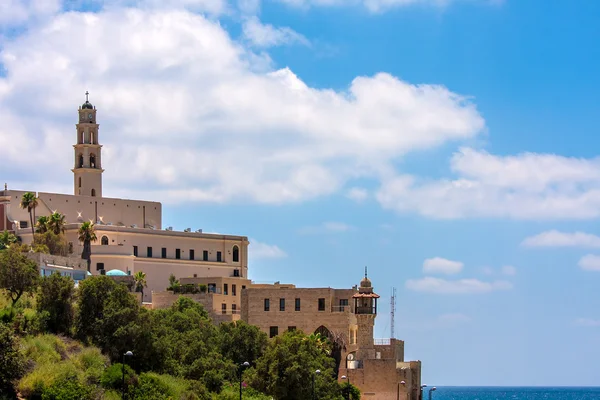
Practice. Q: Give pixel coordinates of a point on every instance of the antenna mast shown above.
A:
(393, 313)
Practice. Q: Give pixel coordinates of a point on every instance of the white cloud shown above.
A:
(192, 115)
(357, 194)
(588, 322)
(590, 262)
(266, 35)
(508, 270)
(261, 251)
(525, 186)
(380, 5)
(327, 227)
(439, 265)
(461, 286)
(555, 238)
(17, 12)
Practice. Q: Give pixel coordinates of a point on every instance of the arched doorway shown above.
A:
(104, 241)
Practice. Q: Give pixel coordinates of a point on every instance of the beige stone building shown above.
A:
(131, 238)
(377, 367)
(130, 233)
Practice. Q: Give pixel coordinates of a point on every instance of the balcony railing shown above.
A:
(366, 310)
(382, 342)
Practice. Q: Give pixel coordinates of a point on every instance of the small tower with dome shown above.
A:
(365, 308)
(87, 169)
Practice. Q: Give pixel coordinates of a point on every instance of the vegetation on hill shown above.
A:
(61, 342)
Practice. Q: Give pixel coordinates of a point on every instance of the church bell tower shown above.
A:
(87, 171)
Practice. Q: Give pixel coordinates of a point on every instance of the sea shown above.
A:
(513, 393)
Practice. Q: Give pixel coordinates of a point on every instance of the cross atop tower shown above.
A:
(86, 95)
(365, 271)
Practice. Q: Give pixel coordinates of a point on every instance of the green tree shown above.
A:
(87, 235)
(29, 201)
(56, 244)
(41, 226)
(350, 392)
(55, 299)
(7, 239)
(18, 274)
(11, 359)
(56, 223)
(241, 342)
(92, 293)
(287, 369)
(140, 282)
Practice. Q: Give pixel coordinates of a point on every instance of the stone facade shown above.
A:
(347, 315)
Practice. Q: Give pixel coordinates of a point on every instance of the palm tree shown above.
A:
(29, 201)
(57, 223)
(87, 235)
(6, 239)
(42, 224)
(140, 282)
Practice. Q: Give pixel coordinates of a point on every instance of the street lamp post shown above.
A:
(317, 372)
(128, 354)
(244, 365)
(347, 394)
(421, 393)
(433, 389)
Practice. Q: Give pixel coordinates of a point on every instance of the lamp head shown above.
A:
(423, 386)
(403, 383)
(128, 354)
(318, 371)
(433, 389)
(344, 377)
(245, 364)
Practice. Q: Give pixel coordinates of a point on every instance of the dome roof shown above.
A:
(366, 282)
(87, 105)
(116, 272)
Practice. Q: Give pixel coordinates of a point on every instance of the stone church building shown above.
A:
(131, 238)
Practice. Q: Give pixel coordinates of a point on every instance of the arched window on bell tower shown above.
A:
(79, 181)
(93, 192)
(81, 137)
(92, 161)
(93, 138)
(81, 161)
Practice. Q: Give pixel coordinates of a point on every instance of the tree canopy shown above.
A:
(18, 274)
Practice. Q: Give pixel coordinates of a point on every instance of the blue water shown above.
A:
(505, 393)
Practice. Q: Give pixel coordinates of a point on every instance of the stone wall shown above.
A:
(72, 262)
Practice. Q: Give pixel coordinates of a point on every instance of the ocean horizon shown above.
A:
(514, 393)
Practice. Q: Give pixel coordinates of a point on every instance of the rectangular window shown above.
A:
(205, 255)
(233, 290)
(233, 308)
(224, 308)
(219, 256)
(267, 305)
(99, 266)
(281, 304)
(291, 328)
(135, 251)
(243, 287)
(192, 256)
(236, 273)
(343, 304)
(225, 289)
(297, 304)
(163, 252)
(273, 331)
(149, 252)
(178, 254)
(22, 224)
(321, 304)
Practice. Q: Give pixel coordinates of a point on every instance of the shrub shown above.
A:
(55, 296)
(44, 349)
(11, 359)
(112, 378)
(67, 388)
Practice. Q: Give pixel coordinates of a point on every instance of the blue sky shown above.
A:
(450, 146)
